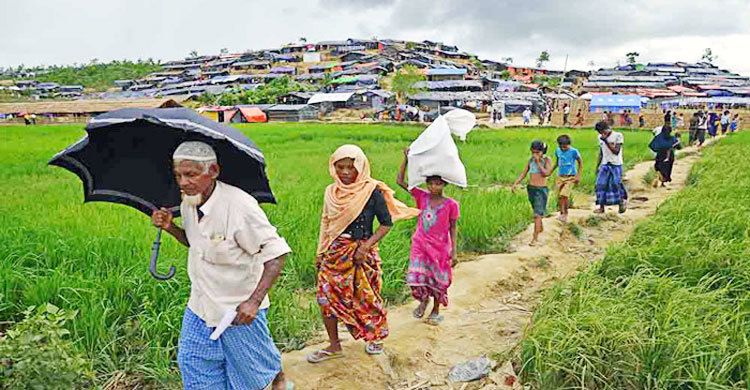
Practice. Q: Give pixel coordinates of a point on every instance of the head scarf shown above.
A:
(344, 202)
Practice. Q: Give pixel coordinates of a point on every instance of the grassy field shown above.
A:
(94, 257)
(669, 308)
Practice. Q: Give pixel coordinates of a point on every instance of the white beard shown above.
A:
(192, 200)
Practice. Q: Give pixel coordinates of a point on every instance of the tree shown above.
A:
(302, 40)
(404, 82)
(708, 55)
(193, 54)
(508, 60)
(224, 51)
(632, 57)
(543, 57)
(505, 75)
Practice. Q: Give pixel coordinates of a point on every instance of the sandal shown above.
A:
(323, 355)
(417, 313)
(623, 207)
(374, 348)
(434, 320)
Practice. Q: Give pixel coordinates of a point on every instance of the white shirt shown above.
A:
(228, 248)
(608, 157)
(526, 113)
(566, 110)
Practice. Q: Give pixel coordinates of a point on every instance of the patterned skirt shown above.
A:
(351, 292)
(609, 188)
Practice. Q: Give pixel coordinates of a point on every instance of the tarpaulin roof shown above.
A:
(330, 97)
(445, 72)
(616, 101)
(253, 114)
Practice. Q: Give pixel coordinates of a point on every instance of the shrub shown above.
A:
(36, 354)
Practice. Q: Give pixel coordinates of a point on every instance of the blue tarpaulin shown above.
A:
(615, 103)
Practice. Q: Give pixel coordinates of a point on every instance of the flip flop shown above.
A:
(374, 349)
(623, 207)
(322, 355)
(434, 320)
(416, 312)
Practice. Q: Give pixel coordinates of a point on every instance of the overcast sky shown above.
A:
(48, 32)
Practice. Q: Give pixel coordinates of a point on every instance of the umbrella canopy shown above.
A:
(126, 157)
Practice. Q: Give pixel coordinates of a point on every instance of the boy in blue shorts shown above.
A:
(568, 160)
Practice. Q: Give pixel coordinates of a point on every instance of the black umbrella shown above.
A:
(126, 158)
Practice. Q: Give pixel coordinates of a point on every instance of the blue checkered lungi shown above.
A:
(609, 188)
(243, 358)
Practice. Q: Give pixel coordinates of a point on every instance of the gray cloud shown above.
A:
(69, 31)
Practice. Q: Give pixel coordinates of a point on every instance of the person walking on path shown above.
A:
(702, 128)
(234, 259)
(664, 145)
(609, 187)
(538, 167)
(433, 245)
(725, 121)
(570, 164)
(348, 260)
(735, 125)
(526, 116)
(566, 114)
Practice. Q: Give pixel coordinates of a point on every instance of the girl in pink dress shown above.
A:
(433, 247)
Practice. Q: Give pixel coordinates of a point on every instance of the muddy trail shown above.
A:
(491, 301)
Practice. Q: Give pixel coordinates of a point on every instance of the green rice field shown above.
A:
(667, 309)
(93, 258)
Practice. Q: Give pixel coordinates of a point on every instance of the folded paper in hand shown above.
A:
(225, 322)
(434, 153)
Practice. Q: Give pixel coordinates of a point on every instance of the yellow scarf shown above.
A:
(344, 202)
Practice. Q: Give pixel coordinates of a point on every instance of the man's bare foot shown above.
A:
(534, 242)
(599, 211)
(563, 218)
(279, 383)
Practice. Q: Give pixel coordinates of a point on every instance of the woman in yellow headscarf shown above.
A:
(349, 274)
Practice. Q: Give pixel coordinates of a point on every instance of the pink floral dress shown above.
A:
(430, 273)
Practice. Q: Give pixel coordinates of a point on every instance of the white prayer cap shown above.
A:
(194, 151)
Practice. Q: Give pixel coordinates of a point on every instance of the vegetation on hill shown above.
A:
(403, 83)
(263, 94)
(669, 308)
(94, 75)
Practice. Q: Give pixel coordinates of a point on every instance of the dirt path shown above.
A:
(491, 301)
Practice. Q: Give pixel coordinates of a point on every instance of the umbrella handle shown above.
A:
(154, 256)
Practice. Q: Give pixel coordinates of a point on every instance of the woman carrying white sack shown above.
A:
(433, 159)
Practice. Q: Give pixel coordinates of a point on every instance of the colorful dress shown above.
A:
(430, 273)
(351, 293)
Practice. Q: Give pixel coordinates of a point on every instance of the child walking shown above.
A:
(539, 167)
(433, 245)
(568, 159)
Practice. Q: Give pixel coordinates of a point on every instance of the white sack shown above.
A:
(460, 122)
(434, 153)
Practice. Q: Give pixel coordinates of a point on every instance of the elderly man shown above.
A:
(234, 258)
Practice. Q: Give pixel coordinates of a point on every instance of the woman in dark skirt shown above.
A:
(664, 145)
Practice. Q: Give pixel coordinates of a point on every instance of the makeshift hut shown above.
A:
(332, 100)
(79, 110)
(249, 114)
(291, 113)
